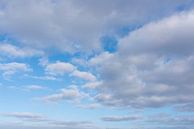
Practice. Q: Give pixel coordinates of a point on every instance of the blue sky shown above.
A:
(114, 64)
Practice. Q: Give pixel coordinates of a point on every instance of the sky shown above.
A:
(96, 64)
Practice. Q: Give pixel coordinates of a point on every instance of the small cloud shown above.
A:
(120, 118)
(35, 87)
(83, 75)
(90, 106)
(92, 85)
(59, 68)
(26, 116)
(9, 69)
(69, 94)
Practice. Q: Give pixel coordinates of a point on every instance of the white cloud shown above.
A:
(34, 87)
(13, 67)
(13, 51)
(89, 106)
(83, 75)
(59, 68)
(93, 85)
(69, 94)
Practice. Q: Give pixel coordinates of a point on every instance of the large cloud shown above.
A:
(153, 66)
(71, 24)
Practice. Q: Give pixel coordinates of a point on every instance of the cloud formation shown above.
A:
(14, 51)
(13, 67)
(73, 26)
(120, 118)
(153, 65)
(69, 94)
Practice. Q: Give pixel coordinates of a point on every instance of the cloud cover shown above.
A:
(153, 65)
(73, 26)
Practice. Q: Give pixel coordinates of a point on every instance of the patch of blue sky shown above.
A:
(125, 30)
(7, 38)
(185, 6)
(109, 43)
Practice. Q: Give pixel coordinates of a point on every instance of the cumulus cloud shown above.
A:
(59, 68)
(14, 51)
(69, 94)
(92, 85)
(83, 75)
(170, 36)
(153, 65)
(13, 67)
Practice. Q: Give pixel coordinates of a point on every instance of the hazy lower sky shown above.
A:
(96, 64)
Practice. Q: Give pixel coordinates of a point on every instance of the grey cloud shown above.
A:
(8, 126)
(187, 107)
(120, 118)
(170, 36)
(172, 120)
(48, 123)
(26, 116)
(71, 24)
(153, 66)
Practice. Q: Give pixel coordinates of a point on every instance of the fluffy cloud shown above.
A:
(153, 66)
(84, 75)
(92, 85)
(13, 51)
(12, 68)
(170, 36)
(71, 24)
(59, 68)
(69, 94)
